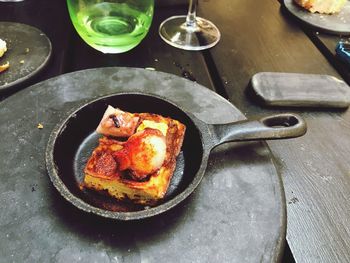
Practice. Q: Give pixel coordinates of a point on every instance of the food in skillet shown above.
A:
(322, 6)
(136, 157)
(3, 49)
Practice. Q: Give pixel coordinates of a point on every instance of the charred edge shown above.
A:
(115, 120)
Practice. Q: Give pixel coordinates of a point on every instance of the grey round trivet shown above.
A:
(237, 214)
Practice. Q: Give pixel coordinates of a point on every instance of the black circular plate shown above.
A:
(334, 24)
(28, 52)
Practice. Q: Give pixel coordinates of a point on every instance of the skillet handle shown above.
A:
(279, 126)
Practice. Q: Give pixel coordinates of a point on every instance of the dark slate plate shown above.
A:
(237, 214)
(28, 51)
(335, 23)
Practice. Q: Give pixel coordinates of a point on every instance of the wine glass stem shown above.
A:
(191, 15)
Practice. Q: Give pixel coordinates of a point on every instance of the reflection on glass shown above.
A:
(111, 26)
(189, 32)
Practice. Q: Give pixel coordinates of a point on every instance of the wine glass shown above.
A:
(189, 32)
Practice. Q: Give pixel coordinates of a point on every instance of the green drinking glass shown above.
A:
(113, 26)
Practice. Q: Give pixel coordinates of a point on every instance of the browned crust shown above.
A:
(4, 67)
(306, 4)
(315, 6)
(143, 192)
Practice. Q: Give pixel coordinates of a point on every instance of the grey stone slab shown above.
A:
(237, 214)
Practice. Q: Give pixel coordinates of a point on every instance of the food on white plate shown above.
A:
(3, 49)
(322, 6)
(136, 158)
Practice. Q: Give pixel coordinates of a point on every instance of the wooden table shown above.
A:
(256, 36)
(315, 168)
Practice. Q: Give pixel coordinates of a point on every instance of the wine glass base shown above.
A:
(203, 35)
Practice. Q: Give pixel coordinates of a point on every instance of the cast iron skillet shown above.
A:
(72, 141)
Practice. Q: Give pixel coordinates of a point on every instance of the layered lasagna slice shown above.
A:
(136, 157)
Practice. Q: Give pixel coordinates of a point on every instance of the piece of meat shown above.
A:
(106, 165)
(143, 153)
(117, 123)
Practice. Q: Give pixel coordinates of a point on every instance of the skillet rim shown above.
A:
(61, 187)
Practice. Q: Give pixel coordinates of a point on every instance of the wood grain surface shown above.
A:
(316, 175)
(315, 168)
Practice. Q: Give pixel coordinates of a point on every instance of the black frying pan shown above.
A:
(72, 141)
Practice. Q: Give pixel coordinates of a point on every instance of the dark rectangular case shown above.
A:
(300, 90)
